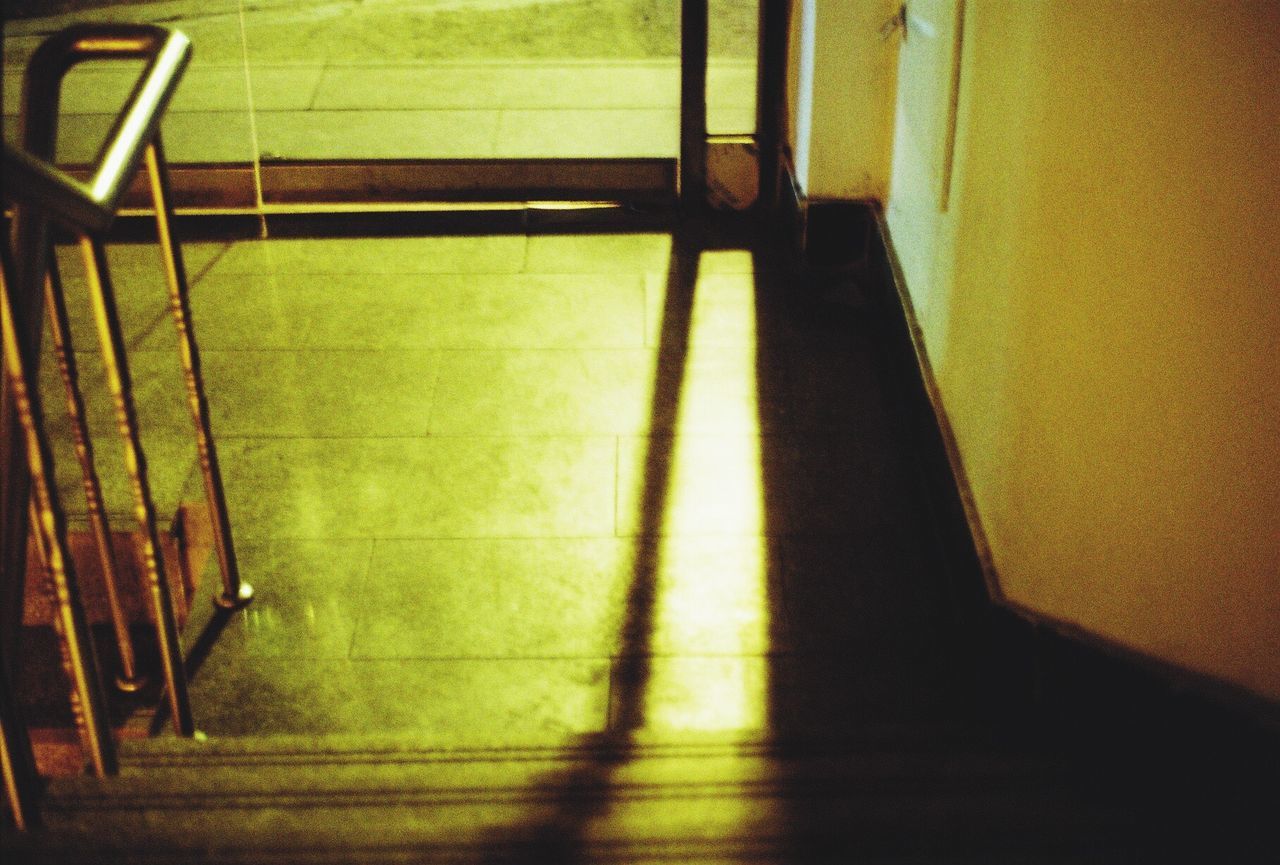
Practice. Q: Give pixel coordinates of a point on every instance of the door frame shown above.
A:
(309, 186)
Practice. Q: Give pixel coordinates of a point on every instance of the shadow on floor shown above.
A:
(861, 638)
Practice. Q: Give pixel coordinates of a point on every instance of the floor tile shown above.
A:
(159, 393)
(171, 471)
(837, 389)
(466, 513)
(513, 598)
(304, 604)
(721, 390)
(602, 392)
(722, 311)
(731, 120)
(718, 262)
(792, 483)
(376, 255)
(691, 485)
(540, 392)
(599, 253)
(320, 393)
(829, 694)
(475, 312)
(419, 488)
(415, 312)
(830, 484)
(139, 286)
(600, 132)
(500, 85)
(245, 311)
(407, 134)
(104, 88)
(222, 88)
(692, 694)
(451, 702)
(710, 596)
(495, 598)
(848, 596)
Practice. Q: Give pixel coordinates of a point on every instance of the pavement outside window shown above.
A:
(394, 79)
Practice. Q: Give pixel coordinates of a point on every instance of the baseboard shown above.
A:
(829, 241)
(1063, 665)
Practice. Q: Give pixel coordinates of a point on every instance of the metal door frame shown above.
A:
(359, 186)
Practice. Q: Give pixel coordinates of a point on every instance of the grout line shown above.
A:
(349, 539)
(611, 659)
(512, 539)
(525, 251)
(496, 139)
(823, 435)
(204, 271)
(419, 437)
(253, 126)
(359, 618)
(315, 92)
(435, 390)
(611, 684)
(617, 483)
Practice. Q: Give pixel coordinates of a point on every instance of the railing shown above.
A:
(41, 193)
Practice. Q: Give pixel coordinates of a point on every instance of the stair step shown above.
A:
(712, 798)
(274, 747)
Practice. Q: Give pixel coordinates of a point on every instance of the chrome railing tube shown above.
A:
(41, 193)
(167, 53)
(235, 592)
(88, 702)
(17, 760)
(60, 330)
(111, 337)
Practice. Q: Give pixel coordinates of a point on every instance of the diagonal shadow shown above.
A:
(874, 672)
(576, 798)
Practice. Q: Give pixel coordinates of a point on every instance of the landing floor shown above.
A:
(520, 488)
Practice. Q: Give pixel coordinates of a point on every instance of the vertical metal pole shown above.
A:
(75, 644)
(17, 763)
(693, 105)
(60, 329)
(235, 593)
(771, 71)
(117, 369)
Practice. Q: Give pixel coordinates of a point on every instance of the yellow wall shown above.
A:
(1101, 307)
(852, 117)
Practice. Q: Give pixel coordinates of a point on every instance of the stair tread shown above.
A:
(611, 819)
(915, 736)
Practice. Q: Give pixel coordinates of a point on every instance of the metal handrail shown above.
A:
(41, 193)
(92, 206)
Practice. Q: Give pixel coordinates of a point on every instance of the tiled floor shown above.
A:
(517, 488)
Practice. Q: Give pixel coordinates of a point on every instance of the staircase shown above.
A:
(896, 794)
(881, 717)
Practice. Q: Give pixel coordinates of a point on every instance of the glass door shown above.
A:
(295, 101)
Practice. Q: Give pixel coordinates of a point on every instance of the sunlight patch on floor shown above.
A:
(714, 614)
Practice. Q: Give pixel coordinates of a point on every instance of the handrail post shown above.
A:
(111, 337)
(235, 592)
(28, 491)
(88, 702)
(693, 105)
(129, 680)
(17, 760)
